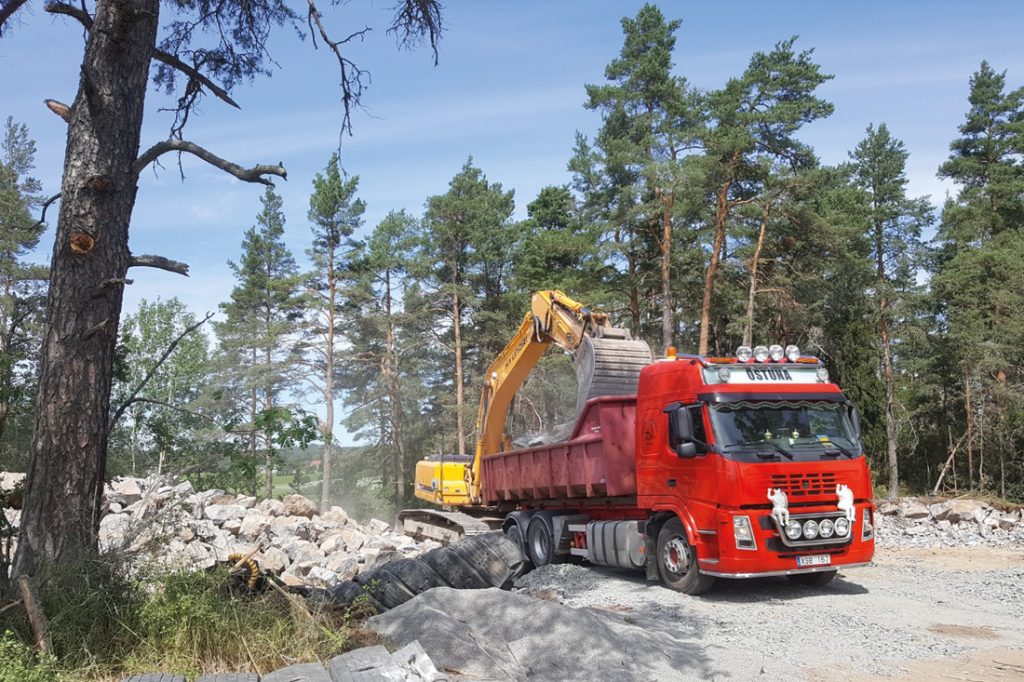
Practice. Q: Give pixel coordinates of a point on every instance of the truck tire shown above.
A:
(677, 561)
(540, 544)
(515, 534)
(813, 579)
(476, 562)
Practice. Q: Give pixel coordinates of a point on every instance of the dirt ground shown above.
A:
(993, 643)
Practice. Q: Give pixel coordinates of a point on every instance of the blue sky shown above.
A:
(509, 90)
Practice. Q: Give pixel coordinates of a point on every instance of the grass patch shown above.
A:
(104, 627)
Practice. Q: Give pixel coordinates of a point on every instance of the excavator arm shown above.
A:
(607, 362)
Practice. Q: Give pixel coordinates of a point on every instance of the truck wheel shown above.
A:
(540, 546)
(677, 561)
(515, 534)
(813, 579)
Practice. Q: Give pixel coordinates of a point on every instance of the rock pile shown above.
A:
(176, 527)
(916, 523)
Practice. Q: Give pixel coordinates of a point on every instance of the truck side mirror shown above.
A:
(680, 430)
(855, 421)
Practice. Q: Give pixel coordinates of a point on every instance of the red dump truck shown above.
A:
(716, 467)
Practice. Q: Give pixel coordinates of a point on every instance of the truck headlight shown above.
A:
(810, 529)
(826, 528)
(842, 527)
(867, 529)
(743, 533)
(724, 374)
(792, 353)
(822, 375)
(743, 353)
(776, 353)
(761, 354)
(793, 530)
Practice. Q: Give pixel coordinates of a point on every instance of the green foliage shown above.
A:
(104, 626)
(161, 428)
(22, 292)
(20, 663)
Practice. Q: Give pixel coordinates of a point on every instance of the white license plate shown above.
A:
(814, 560)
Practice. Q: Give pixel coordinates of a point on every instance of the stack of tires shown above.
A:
(472, 563)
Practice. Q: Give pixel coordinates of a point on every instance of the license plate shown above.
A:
(814, 560)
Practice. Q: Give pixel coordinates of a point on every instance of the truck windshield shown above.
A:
(797, 429)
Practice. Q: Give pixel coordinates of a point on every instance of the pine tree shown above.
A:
(335, 215)
(257, 337)
(467, 250)
(648, 125)
(750, 129)
(879, 169)
(979, 278)
(22, 288)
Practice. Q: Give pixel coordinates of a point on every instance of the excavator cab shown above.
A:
(441, 479)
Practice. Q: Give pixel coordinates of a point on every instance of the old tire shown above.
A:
(813, 579)
(488, 560)
(677, 561)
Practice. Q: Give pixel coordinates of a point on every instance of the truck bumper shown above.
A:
(771, 557)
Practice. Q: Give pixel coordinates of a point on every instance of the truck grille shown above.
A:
(805, 485)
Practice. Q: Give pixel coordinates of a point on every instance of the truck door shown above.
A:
(689, 466)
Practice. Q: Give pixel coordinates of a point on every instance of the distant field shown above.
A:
(283, 485)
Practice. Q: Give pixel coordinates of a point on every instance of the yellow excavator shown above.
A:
(607, 361)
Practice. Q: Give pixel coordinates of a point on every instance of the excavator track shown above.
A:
(609, 364)
(444, 526)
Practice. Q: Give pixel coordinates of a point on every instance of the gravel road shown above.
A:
(917, 613)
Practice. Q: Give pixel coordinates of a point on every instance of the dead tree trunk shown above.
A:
(667, 323)
(748, 331)
(69, 443)
(328, 424)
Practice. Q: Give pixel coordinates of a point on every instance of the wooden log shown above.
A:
(36, 617)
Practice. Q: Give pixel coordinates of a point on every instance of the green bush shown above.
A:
(19, 663)
(104, 626)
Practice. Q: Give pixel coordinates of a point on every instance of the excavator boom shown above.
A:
(607, 361)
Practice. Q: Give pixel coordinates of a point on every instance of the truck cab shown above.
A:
(758, 459)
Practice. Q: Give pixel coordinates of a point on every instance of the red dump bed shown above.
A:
(597, 461)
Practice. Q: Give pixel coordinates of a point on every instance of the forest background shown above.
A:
(694, 209)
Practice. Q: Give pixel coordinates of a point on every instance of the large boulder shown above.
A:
(273, 559)
(271, 507)
(913, 509)
(299, 505)
(219, 513)
(254, 525)
(962, 510)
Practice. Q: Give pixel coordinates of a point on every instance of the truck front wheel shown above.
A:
(677, 561)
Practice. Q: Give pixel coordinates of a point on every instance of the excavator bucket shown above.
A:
(609, 364)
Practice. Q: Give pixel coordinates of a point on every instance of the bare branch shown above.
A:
(254, 174)
(9, 7)
(415, 20)
(165, 57)
(152, 370)
(46, 205)
(351, 75)
(59, 108)
(178, 408)
(159, 262)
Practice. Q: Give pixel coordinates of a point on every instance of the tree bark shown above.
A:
(888, 379)
(459, 393)
(394, 388)
(721, 216)
(328, 430)
(667, 323)
(969, 414)
(748, 331)
(69, 444)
